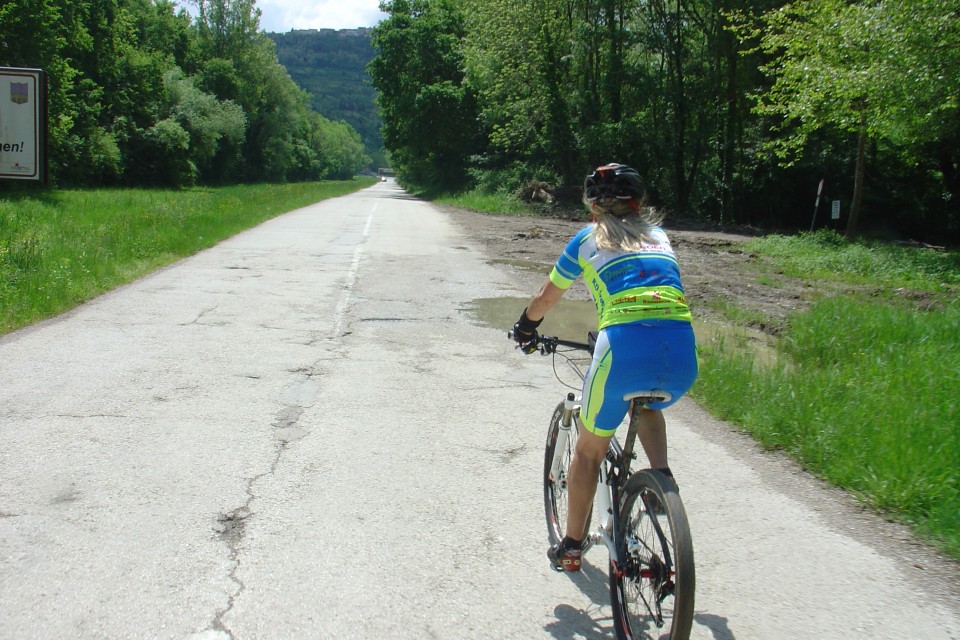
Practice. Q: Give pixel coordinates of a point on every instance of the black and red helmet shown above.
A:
(613, 181)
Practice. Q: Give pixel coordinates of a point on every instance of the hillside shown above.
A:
(331, 65)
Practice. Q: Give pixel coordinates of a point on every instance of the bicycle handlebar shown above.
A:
(548, 344)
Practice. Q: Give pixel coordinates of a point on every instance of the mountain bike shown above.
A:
(639, 517)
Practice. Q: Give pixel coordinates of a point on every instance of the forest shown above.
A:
(735, 111)
(144, 93)
(332, 67)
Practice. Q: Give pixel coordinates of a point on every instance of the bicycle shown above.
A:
(652, 574)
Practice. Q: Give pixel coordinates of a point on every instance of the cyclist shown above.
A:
(645, 338)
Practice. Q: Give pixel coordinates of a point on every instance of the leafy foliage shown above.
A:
(141, 93)
(428, 109)
(733, 110)
(871, 70)
(331, 66)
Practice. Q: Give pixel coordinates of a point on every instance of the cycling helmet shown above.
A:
(613, 181)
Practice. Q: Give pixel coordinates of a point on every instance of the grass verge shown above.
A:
(499, 203)
(61, 248)
(868, 393)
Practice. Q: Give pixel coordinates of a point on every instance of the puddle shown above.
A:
(527, 265)
(572, 319)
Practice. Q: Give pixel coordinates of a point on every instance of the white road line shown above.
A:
(339, 316)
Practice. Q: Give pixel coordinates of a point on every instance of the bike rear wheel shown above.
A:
(653, 594)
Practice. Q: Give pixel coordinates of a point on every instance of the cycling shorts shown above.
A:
(639, 356)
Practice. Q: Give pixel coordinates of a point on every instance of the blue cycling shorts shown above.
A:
(638, 356)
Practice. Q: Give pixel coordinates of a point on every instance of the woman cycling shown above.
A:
(645, 338)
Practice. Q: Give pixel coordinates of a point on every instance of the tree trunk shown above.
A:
(731, 126)
(854, 221)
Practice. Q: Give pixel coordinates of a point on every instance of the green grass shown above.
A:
(61, 248)
(826, 255)
(738, 315)
(867, 394)
(499, 203)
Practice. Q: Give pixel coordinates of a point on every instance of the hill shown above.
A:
(331, 65)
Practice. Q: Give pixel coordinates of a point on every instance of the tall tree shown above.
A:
(518, 58)
(874, 70)
(429, 112)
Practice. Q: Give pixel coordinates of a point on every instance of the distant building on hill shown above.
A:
(354, 33)
(343, 33)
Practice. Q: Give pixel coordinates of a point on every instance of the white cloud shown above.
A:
(282, 15)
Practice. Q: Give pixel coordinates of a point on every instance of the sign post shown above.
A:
(816, 205)
(23, 125)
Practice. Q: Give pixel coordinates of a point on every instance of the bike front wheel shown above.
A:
(652, 593)
(561, 443)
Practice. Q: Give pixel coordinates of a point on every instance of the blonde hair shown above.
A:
(621, 227)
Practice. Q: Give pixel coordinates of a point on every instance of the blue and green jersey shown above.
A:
(626, 287)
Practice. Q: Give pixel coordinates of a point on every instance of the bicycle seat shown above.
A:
(651, 395)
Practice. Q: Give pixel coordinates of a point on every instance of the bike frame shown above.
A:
(630, 557)
(614, 470)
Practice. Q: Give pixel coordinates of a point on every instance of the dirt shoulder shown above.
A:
(718, 273)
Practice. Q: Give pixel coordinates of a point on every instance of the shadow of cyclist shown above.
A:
(573, 623)
(718, 625)
(590, 623)
(594, 623)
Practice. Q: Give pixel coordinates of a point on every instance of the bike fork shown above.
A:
(563, 434)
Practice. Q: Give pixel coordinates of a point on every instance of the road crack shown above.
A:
(231, 526)
(200, 316)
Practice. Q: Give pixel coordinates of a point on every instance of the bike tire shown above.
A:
(653, 595)
(555, 489)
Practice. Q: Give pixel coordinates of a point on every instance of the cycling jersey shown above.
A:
(626, 287)
(646, 339)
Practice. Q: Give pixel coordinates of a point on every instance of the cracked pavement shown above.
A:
(304, 432)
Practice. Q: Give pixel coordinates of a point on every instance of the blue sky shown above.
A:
(280, 16)
(283, 15)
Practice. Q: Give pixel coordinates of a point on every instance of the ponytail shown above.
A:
(624, 227)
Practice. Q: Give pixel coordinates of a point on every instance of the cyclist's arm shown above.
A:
(548, 296)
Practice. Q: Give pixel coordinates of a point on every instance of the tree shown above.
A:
(873, 70)
(429, 112)
(212, 125)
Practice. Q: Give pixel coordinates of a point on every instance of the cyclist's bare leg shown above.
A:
(582, 479)
(652, 433)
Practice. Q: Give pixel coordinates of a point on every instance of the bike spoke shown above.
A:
(647, 585)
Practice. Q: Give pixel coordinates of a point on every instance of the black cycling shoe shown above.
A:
(565, 555)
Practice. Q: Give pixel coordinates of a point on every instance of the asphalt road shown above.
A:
(304, 432)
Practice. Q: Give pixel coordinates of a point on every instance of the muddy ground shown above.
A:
(718, 273)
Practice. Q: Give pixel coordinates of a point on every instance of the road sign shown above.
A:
(23, 124)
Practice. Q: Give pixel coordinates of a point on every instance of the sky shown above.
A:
(280, 16)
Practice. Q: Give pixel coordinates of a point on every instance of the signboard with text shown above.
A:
(23, 124)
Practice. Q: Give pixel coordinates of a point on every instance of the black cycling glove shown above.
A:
(525, 332)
